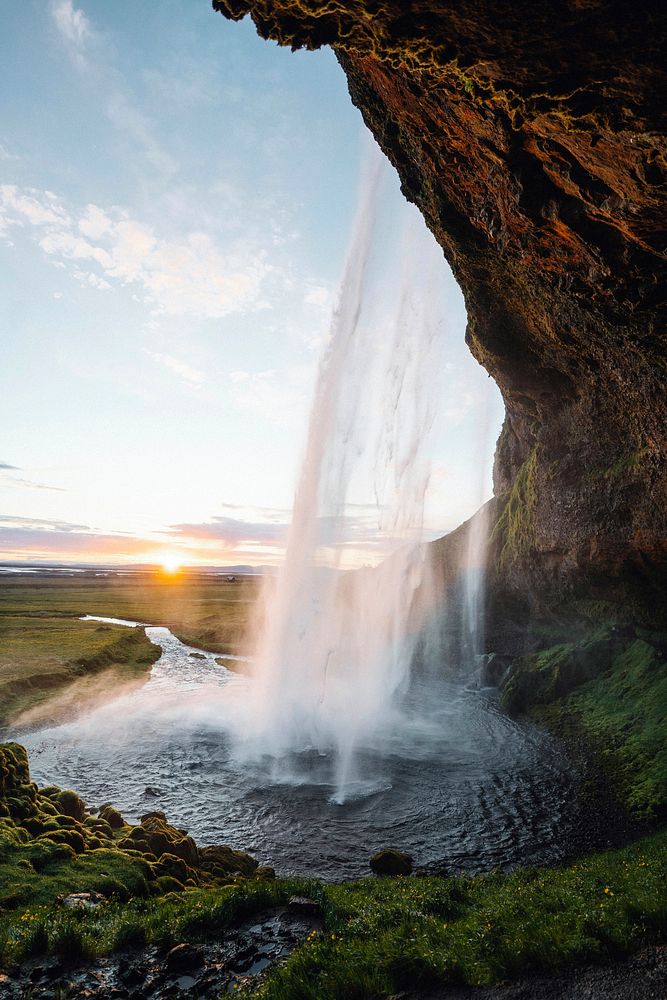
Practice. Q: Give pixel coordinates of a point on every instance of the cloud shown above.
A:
(232, 532)
(8, 479)
(72, 23)
(180, 368)
(5, 154)
(279, 396)
(39, 524)
(189, 276)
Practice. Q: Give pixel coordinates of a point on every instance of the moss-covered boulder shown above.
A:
(389, 861)
(70, 804)
(111, 816)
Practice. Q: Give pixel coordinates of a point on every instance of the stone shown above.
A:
(183, 957)
(111, 816)
(265, 872)
(304, 906)
(83, 900)
(389, 861)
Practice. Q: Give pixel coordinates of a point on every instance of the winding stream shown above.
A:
(467, 787)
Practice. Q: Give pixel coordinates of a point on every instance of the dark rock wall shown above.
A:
(531, 136)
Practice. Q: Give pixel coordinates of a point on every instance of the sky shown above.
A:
(176, 198)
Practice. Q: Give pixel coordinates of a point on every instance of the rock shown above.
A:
(83, 900)
(184, 957)
(222, 860)
(162, 838)
(304, 906)
(265, 872)
(111, 816)
(70, 804)
(389, 861)
(152, 793)
(197, 656)
(549, 206)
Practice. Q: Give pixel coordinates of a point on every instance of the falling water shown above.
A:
(335, 650)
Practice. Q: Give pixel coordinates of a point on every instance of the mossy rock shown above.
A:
(71, 804)
(543, 677)
(111, 816)
(162, 838)
(72, 838)
(14, 767)
(389, 861)
(44, 850)
(166, 883)
(220, 860)
(169, 864)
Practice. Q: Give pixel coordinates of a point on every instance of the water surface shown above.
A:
(463, 784)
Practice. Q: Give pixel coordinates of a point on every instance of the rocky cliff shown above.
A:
(531, 136)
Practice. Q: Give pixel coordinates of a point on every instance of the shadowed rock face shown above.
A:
(530, 136)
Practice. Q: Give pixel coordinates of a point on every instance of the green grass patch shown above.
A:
(624, 711)
(611, 689)
(385, 935)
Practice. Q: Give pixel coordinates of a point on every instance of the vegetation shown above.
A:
(610, 688)
(514, 531)
(45, 647)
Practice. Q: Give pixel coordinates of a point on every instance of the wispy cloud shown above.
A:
(190, 375)
(7, 478)
(6, 154)
(39, 524)
(71, 22)
(191, 276)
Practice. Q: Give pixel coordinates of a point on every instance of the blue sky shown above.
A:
(176, 197)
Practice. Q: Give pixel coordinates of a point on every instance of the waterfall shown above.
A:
(334, 650)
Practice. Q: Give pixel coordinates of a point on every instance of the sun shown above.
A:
(170, 562)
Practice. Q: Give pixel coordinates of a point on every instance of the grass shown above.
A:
(45, 648)
(385, 935)
(624, 713)
(609, 688)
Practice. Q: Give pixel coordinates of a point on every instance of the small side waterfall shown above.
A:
(335, 649)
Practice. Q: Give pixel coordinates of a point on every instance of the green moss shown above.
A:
(611, 689)
(514, 531)
(625, 713)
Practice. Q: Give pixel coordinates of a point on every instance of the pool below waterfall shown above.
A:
(464, 786)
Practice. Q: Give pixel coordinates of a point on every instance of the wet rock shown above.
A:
(304, 906)
(184, 957)
(197, 656)
(389, 861)
(152, 793)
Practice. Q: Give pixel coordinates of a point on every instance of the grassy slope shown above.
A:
(44, 647)
(610, 688)
(380, 935)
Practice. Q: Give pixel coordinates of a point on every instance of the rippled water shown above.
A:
(467, 786)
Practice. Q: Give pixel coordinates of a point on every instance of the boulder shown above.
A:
(183, 957)
(111, 816)
(220, 860)
(389, 861)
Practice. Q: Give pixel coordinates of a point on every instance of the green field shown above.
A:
(45, 650)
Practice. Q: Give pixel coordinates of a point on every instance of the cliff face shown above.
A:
(529, 135)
